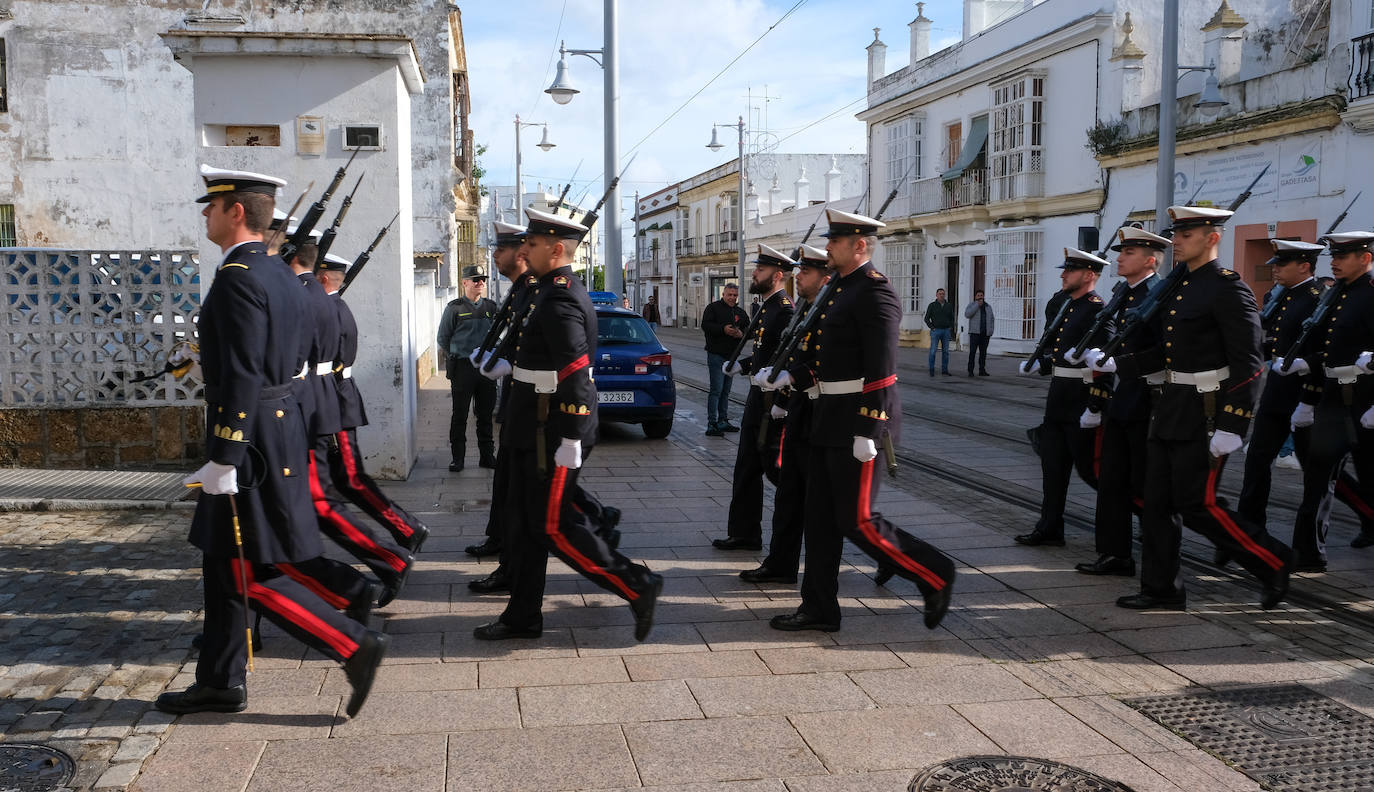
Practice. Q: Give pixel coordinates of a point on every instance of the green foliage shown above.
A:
(1103, 136)
(477, 170)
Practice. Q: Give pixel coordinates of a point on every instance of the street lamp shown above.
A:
(544, 144)
(562, 92)
(1210, 103)
(716, 145)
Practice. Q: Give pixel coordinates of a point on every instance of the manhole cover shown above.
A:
(1286, 737)
(1009, 774)
(33, 768)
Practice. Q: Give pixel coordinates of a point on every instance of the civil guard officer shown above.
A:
(1067, 440)
(553, 412)
(1126, 419)
(793, 407)
(464, 324)
(248, 324)
(1338, 401)
(855, 346)
(346, 470)
(744, 525)
(1209, 350)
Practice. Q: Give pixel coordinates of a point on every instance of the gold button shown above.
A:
(1168, 343)
(281, 413)
(1170, 327)
(1171, 313)
(1180, 297)
(286, 471)
(822, 316)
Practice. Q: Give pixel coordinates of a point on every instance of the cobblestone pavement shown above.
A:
(1033, 658)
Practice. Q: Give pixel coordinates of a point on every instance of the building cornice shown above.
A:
(186, 45)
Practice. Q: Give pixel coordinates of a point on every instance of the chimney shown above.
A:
(802, 191)
(774, 197)
(832, 182)
(751, 203)
(1222, 42)
(920, 35)
(877, 59)
(1129, 56)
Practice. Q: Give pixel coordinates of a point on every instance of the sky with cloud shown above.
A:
(813, 63)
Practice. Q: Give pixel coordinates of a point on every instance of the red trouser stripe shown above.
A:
(294, 613)
(316, 587)
(1353, 498)
(871, 534)
(1220, 515)
(551, 523)
(782, 438)
(356, 483)
(326, 512)
(573, 368)
(887, 381)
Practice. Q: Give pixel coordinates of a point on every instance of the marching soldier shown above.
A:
(464, 324)
(1338, 400)
(1210, 352)
(858, 409)
(784, 548)
(744, 526)
(1069, 432)
(248, 326)
(553, 411)
(1125, 425)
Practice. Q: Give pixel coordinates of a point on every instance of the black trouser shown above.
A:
(746, 496)
(1268, 433)
(500, 487)
(1181, 478)
(840, 492)
(1335, 434)
(351, 479)
(472, 391)
(384, 557)
(1120, 484)
(543, 519)
(282, 600)
(1064, 447)
(784, 548)
(978, 347)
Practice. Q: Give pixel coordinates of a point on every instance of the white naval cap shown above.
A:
(334, 263)
(1349, 241)
(813, 257)
(1130, 236)
(1079, 259)
(1290, 250)
(850, 224)
(773, 258)
(551, 225)
(1190, 216)
(218, 180)
(507, 233)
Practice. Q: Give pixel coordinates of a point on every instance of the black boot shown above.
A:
(198, 698)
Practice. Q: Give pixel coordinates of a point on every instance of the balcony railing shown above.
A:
(1362, 70)
(937, 194)
(727, 241)
(686, 247)
(1029, 183)
(710, 244)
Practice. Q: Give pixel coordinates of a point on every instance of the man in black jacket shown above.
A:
(723, 322)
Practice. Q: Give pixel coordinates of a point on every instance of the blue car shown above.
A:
(634, 372)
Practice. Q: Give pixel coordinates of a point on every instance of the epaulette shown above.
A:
(531, 280)
(232, 264)
(1228, 274)
(876, 275)
(786, 301)
(1094, 298)
(561, 280)
(1314, 291)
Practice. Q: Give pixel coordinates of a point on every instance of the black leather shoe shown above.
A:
(765, 575)
(1038, 538)
(1221, 558)
(1362, 540)
(735, 543)
(500, 631)
(494, 583)
(1275, 592)
(796, 622)
(984, 374)
(455, 467)
(714, 432)
(1143, 601)
(1109, 565)
(361, 669)
(726, 426)
(489, 546)
(937, 604)
(361, 609)
(487, 460)
(392, 589)
(885, 573)
(946, 373)
(198, 698)
(643, 607)
(416, 540)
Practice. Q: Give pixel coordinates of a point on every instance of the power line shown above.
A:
(823, 118)
(556, 33)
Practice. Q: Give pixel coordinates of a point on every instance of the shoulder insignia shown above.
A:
(1228, 274)
(232, 264)
(876, 275)
(561, 280)
(531, 280)
(786, 301)
(1314, 291)
(1093, 298)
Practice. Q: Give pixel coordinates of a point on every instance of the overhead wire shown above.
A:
(558, 31)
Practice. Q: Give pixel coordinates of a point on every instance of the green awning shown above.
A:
(973, 146)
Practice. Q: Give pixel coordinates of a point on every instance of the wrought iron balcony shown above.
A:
(1362, 67)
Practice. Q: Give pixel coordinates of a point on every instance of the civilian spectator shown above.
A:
(940, 319)
(980, 323)
(651, 312)
(723, 322)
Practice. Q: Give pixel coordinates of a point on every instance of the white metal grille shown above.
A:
(1018, 138)
(903, 160)
(77, 326)
(1013, 262)
(902, 266)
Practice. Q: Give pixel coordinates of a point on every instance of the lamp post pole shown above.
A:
(739, 222)
(1168, 115)
(614, 259)
(519, 188)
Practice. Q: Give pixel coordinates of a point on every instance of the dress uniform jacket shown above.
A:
(351, 412)
(521, 296)
(1133, 397)
(773, 318)
(856, 317)
(564, 343)
(1282, 394)
(1346, 331)
(1068, 398)
(324, 350)
(252, 420)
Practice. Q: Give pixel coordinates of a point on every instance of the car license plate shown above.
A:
(616, 397)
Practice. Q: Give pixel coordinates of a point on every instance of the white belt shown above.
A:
(1154, 378)
(1204, 381)
(813, 392)
(347, 372)
(1084, 374)
(543, 381)
(322, 369)
(840, 387)
(1345, 375)
(304, 372)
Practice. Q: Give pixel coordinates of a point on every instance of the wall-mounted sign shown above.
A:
(309, 135)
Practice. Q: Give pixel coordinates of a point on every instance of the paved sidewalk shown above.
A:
(97, 610)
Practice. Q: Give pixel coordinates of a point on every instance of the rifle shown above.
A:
(275, 236)
(1245, 196)
(327, 238)
(1340, 218)
(1271, 302)
(753, 324)
(1329, 298)
(1196, 192)
(1106, 315)
(365, 256)
(564, 194)
(1106, 245)
(609, 189)
(1053, 327)
(315, 212)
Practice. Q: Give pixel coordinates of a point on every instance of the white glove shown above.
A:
(1096, 362)
(214, 478)
(1076, 359)
(569, 454)
(1298, 366)
(783, 380)
(1089, 420)
(1224, 443)
(478, 356)
(777, 413)
(864, 448)
(183, 354)
(498, 370)
(732, 369)
(1303, 415)
(1029, 367)
(1367, 420)
(1366, 361)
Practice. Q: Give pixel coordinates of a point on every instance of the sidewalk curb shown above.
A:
(69, 504)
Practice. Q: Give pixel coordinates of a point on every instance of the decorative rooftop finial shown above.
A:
(1225, 17)
(921, 12)
(1127, 49)
(875, 35)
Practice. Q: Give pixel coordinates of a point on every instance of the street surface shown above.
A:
(97, 609)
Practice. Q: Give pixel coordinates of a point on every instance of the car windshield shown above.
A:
(611, 330)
